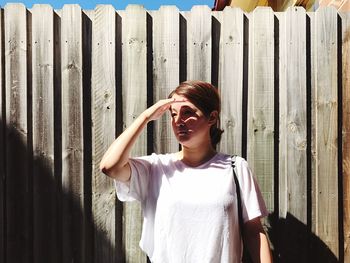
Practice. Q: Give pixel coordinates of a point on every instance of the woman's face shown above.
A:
(190, 125)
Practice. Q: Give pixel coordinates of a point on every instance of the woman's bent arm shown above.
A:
(115, 162)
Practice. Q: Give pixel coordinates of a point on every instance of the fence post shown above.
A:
(103, 107)
(72, 135)
(166, 70)
(261, 101)
(44, 183)
(199, 44)
(134, 90)
(18, 177)
(231, 80)
(326, 130)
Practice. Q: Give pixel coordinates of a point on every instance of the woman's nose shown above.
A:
(178, 120)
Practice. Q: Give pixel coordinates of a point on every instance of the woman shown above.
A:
(188, 198)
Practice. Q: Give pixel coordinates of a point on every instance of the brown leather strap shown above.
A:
(220, 4)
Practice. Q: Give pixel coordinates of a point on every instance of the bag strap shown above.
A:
(245, 255)
(239, 200)
(238, 191)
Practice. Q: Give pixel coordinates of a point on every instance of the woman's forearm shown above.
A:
(256, 240)
(265, 253)
(116, 158)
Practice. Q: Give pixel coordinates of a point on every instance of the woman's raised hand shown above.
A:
(115, 162)
(159, 108)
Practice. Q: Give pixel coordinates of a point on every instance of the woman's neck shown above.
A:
(196, 156)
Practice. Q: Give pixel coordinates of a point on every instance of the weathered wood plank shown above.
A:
(231, 80)
(260, 141)
(326, 140)
(346, 131)
(2, 145)
(103, 134)
(72, 134)
(44, 183)
(293, 134)
(293, 115)
(18, 181)
(166, 71)
(199, 44)
(134, 90)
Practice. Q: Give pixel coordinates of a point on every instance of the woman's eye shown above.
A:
(173, 115)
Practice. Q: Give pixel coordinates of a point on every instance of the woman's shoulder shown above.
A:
(239, 161)
(235, 157)
(158, 157)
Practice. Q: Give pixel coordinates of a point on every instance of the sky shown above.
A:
(183, 5)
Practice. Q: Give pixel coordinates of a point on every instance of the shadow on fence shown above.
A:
(42, 222)
(293, 242)
(49, 225)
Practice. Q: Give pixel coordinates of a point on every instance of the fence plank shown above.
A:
(293, 133)
(134, 83)
(104, 109)
(199, 44)
(231, 80)
(293, 116)
(2, 146)
(166, 71)
(260, 148)
(72, 134)
(18, 185)
(326, 116)
(346, 131)
(44, 185)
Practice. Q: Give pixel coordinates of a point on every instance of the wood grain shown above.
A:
(260, 144)
(199, 44)
(72, 135)
(44, 182)
(231, 75)
(326, 122)
(166, 71)
(104, 130)
(18, 181)
(293, 141)
(134, 83)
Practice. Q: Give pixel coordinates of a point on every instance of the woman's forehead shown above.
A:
(183, 104)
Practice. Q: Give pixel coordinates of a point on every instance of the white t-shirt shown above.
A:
(190, 213)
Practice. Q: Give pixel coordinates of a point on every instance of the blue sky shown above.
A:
(118, 4)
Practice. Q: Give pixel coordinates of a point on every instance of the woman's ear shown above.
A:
(213, 118)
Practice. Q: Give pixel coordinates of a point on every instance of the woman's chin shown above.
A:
(183, 138)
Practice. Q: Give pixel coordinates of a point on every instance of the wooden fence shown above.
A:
(72, 79)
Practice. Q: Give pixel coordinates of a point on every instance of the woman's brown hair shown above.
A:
(205, 97)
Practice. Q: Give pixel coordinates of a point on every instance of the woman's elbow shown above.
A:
(118, 172)
(105, 168)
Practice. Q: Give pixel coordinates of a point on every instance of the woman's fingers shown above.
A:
(159, 108)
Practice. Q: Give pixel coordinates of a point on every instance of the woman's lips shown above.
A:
(182, 132)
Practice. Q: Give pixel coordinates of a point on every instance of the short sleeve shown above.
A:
(253, 204)
(137, 187)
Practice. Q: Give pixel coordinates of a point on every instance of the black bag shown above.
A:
(246, 256)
